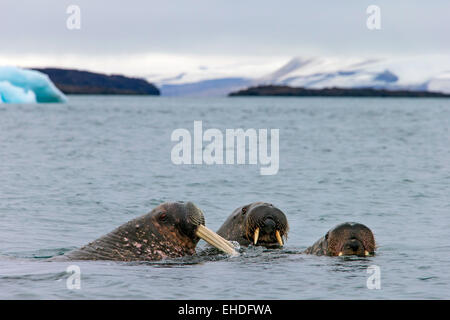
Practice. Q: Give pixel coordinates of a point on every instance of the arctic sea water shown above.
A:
(72, 172)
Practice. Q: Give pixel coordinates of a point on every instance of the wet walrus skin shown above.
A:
(257, 223)
(170, 230)
(346, 239)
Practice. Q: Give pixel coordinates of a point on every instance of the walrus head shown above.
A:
(350, 238)
(170, 230)
(258, 223)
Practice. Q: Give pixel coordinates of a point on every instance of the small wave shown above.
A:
(41, 253)
(35, 277)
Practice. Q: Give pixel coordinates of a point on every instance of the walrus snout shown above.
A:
(353, 247)
(269, 225)
(194, 215)
(266, 225)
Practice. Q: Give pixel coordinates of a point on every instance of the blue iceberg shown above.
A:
(27, 86)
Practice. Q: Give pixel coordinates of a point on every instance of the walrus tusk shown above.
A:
(256, 236)
(366, 253)
(280, 241)
(340, 254)
(215, 240)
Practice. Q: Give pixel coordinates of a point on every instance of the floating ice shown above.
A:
(27, 86)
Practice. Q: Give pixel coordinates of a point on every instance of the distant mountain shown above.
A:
(439, 83)
(213, 87)
(84, 82)
(287, 91)
(418, 73)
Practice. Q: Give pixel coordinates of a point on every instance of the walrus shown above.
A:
(346, 239)
(170, 230)
(257, 223)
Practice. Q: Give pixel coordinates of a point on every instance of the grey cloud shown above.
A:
(224, 27)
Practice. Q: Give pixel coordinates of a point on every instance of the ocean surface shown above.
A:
(72, 172)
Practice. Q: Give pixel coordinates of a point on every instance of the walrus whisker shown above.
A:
(253, 233)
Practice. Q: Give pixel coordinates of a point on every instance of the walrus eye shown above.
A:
(244, 210)
(163, 216)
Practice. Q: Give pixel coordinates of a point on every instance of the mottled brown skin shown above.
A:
(349, 238)
(242, 223)
(168, 231)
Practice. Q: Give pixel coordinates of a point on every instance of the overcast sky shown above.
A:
(123, 35)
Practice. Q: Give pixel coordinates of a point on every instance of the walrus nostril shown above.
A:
(354, 245)
(269, 225)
